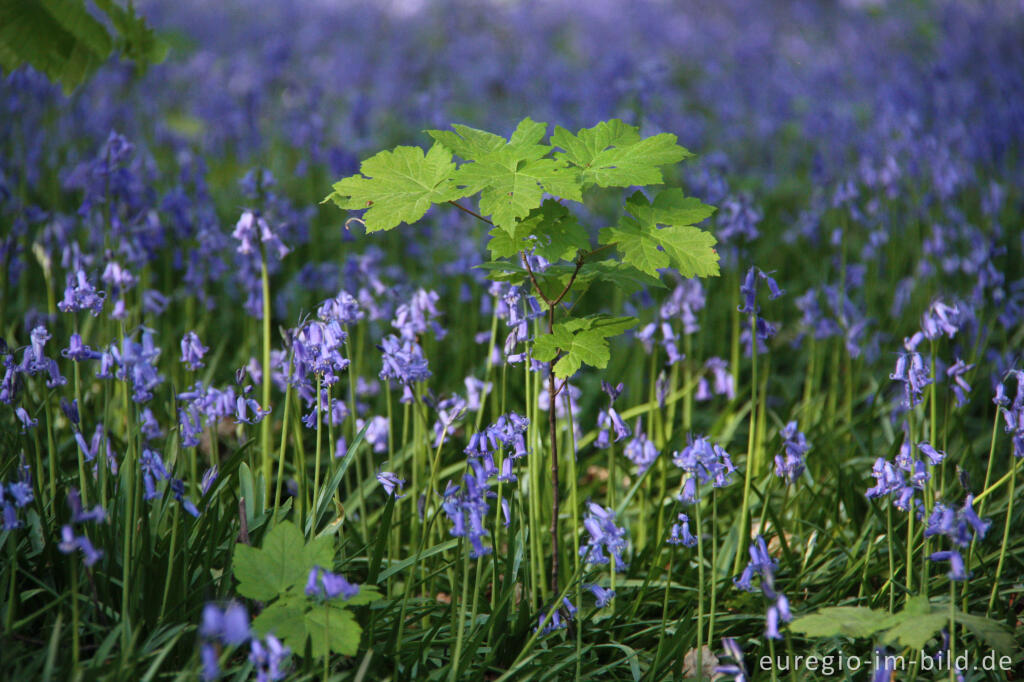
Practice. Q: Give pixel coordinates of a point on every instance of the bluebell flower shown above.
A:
(192, 351)
(748, 290)
(705, 462)
(323, 584)
(78, 351)
(940, 319)
(560, 618)
(391, 483)
(229, 625)
(79, 294)
(27, 422)
(641, 451)
(70, 410)
(606, 540)
(178, 489)
(957, 571)
(737, 670)
(603, 595)
(790, 464)
(761, 564)
(70, 542)
(680, 533)
(153, 470)
(961, 388)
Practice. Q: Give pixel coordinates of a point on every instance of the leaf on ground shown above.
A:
(333, 626)
(284, 560)
(852, 621)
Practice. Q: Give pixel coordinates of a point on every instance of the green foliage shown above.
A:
(511, 178)
(278, 572)
(66, 42)
(398, 186)
(912, 627)
(612, 154)
(582, 340)
(650, 248)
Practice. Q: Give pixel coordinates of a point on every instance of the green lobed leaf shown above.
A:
(851, 621)
(550, 230)
(398, 186)
(334, 626)
(513, 178)
(284, 618)
(467, 143)
(582, 340)
(283, 560)
(914, 630)
(60, 38)
(993, 633)
(650, 248)
(613, 154)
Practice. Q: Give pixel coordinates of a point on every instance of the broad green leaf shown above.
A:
(513, 178)
(993, 633)
(650, 248)
(915, 629)
(582, 340)
(319, 552)
(398, 186)
(551, 231)
(467, 143)
(329, 625)
(284, 618)
(612, 154)
(852, 621)
(60, 38)
(281, 562)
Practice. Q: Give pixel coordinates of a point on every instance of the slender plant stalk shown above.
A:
(748, 474)
(266, 454)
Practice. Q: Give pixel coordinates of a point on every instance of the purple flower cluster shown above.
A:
(905, 475)
(761, 564)
(19, 494)
(33, 361)
(680, 532)
(559, 619)
(1013, 413)
(606, 541)
(467, 507)
(71, 542)
(960, 527)
(704, 462)
(610, 419)
(789, 464)
(723, 380)
(508, 432)
(641, 451)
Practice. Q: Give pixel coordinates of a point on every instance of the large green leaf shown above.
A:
(398, 186)
(329, 625)
(649, 248)
(852, 621)
(613, 154)
(62, 39)
(284, 560)
(513, 178)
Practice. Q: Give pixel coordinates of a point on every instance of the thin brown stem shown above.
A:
(470, 212)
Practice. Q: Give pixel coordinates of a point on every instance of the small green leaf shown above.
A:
(650, 248)
(852, 621)
(329, 625)
(398, 186)
(582, 340)
(282, 562)
(612, 154)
